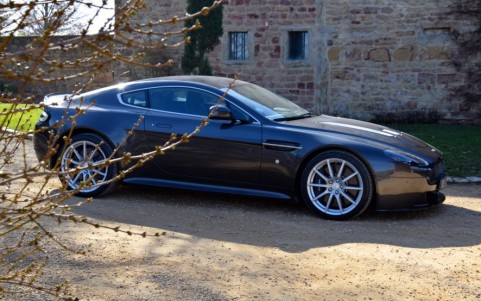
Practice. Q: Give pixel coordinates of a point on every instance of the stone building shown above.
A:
(384, 60)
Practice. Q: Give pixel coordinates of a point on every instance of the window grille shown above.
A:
(238, 49)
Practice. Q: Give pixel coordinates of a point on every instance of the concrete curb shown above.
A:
(466, 180)
(13, 132)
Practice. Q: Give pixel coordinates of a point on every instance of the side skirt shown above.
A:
(207, 187)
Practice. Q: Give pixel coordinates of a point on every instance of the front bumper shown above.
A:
(412, 188)
(435, 198)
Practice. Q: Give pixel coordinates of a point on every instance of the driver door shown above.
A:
(222, 152)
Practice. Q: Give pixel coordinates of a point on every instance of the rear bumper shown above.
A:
(41, 144)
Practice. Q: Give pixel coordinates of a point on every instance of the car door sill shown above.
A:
(206, 187)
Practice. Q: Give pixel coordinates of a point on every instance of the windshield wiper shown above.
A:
(295, 117)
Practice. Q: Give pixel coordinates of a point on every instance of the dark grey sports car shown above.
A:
(256, 143)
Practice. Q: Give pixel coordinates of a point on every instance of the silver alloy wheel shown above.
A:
(335, 187)
(82, 154)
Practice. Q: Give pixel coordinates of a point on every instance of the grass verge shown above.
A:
(461, 145)
(21, 118)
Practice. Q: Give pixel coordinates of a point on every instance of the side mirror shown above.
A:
(219, 112)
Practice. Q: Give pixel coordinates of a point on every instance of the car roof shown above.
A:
(213, 81)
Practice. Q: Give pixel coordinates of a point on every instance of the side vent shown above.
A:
(283, 146)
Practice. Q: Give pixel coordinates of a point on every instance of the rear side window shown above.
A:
(137, 98)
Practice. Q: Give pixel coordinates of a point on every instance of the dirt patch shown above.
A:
(219, 247)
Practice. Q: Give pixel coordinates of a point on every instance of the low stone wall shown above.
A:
(103, 72)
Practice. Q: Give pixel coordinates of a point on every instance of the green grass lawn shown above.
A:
(461, 145)
(19, 121)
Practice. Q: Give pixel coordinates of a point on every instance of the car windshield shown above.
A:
(268, 104)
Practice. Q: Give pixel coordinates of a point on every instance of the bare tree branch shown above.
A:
(30, 192)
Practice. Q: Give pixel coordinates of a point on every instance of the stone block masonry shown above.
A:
(391, 60)
(383, 60)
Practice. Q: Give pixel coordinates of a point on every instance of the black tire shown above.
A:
(87, 182)
(337, 185)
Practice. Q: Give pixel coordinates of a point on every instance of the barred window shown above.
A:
(238, 48)
(298, 44)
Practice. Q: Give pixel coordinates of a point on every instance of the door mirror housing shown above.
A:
(219, 112)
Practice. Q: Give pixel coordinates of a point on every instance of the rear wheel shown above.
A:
(337, 185)
(77, 165)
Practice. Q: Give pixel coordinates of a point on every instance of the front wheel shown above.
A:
(83, 165)
(337, 185)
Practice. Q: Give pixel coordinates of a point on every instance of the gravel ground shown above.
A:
(219, 247)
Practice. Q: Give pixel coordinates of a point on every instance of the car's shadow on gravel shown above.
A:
(287, 226)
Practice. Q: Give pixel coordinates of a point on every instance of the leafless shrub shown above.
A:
(29, 192)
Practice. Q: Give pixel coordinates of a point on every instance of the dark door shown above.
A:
(222, 152)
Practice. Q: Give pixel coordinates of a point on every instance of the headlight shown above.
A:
(404, 157)
(43, 117)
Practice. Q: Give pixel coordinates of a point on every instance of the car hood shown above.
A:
(368, 131)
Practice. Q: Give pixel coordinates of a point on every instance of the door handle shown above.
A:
(162, 125)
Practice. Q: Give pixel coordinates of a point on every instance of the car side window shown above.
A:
(238, 113)
(166, 99)
(199, 102)
(136, 98)
(182, 100)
